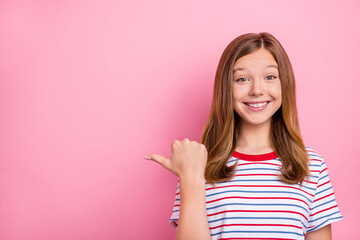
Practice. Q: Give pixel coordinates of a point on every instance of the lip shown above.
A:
(257, 102)
(259, 108)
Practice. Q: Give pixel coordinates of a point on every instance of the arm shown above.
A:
(187, 162)
(323, 233)
(193, 223)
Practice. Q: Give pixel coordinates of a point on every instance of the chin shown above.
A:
(255, 122)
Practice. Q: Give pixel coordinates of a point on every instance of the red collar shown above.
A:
(257, 157)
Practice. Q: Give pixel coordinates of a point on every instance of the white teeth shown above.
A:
(256, 105)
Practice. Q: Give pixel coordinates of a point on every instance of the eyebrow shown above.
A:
(268, 66)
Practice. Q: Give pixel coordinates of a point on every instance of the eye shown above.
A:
(271, 77)
(240, 80)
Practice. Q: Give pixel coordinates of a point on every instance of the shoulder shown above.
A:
(316, 162)
(314, 155)
(312, 152)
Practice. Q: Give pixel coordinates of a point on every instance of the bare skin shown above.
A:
(256, 80)
(254, 133)
(187, 162)
(323, 233)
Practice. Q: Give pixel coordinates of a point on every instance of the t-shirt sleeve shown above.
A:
(324, 208)
(174, 219)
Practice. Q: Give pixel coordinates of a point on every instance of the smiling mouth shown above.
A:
(257, 105)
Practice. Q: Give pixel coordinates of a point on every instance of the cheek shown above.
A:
(276, 91)
(237, 99)
(239, 93)
(278, 94)
(235, 95)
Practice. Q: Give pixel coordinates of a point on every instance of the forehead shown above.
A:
(257, 60)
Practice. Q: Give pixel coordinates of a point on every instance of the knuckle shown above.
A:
(174, 144)
(204, 148)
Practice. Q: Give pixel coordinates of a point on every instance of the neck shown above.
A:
(254, 139)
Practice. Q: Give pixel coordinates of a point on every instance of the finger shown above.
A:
(158, 158)
(147, 157)
(174, 145)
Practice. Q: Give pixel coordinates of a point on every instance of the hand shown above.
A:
(188, 159)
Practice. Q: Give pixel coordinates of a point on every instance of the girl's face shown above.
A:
(256, 87)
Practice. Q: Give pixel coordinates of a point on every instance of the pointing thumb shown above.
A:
(158, 158)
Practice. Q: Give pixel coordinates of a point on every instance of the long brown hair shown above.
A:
(220, 132)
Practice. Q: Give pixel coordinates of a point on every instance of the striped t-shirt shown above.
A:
(256, 204)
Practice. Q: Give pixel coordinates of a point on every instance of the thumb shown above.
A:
(159, 159)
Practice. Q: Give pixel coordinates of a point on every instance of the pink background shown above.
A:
(88, 88)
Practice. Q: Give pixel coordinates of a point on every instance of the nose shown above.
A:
(256, 88)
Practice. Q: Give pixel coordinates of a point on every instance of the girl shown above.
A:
(251, 177)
